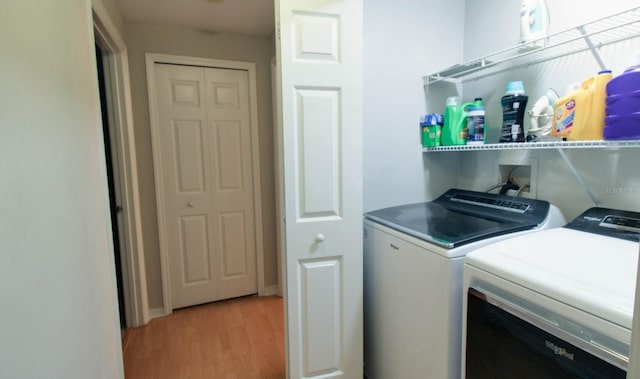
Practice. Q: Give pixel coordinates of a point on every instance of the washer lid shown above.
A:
(435, 223)
(591, 272)
(459, 217)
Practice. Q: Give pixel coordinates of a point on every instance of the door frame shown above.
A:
(120, 116)
(278, 173)
(151, 60)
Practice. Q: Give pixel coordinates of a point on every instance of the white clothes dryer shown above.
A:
(555, 303)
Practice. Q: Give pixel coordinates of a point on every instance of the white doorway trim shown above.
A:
(278, 171)
(151, 60)
(119, 113)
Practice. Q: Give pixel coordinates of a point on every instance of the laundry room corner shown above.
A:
(402, 41)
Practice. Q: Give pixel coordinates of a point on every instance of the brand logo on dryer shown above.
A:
(590, 218)
(557, 350)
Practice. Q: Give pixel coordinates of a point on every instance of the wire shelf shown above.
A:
(595, 34)
(537, 145)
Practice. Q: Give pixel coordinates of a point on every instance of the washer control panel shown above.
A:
(609, 222)
(508, 204)
(621, 223)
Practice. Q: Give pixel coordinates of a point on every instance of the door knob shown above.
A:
(190, 204)
(319, 238)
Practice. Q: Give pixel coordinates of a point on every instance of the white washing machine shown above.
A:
(555, 303)
(413, 269)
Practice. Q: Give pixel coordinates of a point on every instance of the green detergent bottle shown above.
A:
(454, 131)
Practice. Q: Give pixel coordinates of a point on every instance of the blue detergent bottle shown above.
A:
(514, 103)
(622, 111)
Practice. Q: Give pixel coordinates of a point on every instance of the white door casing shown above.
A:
(320, 54)
(120, 116)
(278, 171)
(206, 165)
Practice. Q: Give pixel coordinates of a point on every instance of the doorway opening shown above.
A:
(114, 207)
(122, 171)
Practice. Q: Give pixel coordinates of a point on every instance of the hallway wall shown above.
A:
(59, 316)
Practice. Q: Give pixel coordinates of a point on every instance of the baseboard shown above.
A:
(156, 312)
(159, 312)
(271, 290)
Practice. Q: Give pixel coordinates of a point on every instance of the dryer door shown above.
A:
(505, 340)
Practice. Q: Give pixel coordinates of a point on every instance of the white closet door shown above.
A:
(204, 129)
(320, 50)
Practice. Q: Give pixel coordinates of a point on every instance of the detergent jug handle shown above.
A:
(467, 105)
(588, 83)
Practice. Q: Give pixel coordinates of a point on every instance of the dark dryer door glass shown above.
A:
(501, 345)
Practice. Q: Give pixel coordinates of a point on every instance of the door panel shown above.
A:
(186, 93)
(320, 310)
(233, 246)
(207, 175)
(228, 113)
(194, 250)
(319, 134)
(229, 157)
(189, 158)
(315, 36)
(320, 51)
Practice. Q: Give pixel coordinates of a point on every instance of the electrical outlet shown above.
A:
(518, 174)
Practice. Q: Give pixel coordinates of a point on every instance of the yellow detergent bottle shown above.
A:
(591, 102)
(564, 112)
(580, 115)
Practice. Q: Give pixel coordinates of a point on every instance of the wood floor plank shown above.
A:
(238, 338)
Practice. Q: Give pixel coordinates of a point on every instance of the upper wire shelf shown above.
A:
(538, 145)
(601, 32)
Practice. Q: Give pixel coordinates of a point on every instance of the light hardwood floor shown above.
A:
(239, 338)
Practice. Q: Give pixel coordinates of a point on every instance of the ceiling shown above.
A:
(253, 17)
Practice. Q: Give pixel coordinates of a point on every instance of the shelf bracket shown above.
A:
(438, 78)
(575, 173)
(593, 49)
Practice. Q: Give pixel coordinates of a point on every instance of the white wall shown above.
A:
(403, 41)
(58, 317)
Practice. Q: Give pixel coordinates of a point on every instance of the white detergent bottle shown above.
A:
(534, 23)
